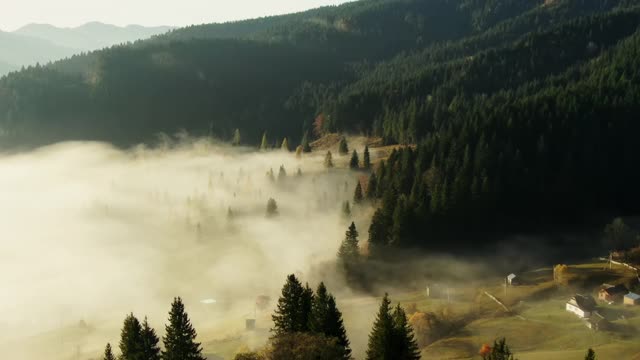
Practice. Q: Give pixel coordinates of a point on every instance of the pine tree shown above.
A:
(293, 311)
(357, 196)
(343, 148)
(591, 355)
(108, 353)
(346, 210)
(366, 164)
(349, 251)
(299, 152)
(270, 176)
(272, 208)
(150, 348)
(236, 138)
(326, 319)
(378, 234)
(306, 147)
(405, 345)
(179, 340)
(282, 174)
(264, 145)
(328, 160)
(381, 338)
(285, 145)
(131, 339)
(372, 187)
(355, 160)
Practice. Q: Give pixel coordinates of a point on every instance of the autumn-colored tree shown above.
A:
(560, 273)
(428, 327)
(499, 351)
(318, 126)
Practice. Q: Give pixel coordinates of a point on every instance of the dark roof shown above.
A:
(584, 302)
(616, 290)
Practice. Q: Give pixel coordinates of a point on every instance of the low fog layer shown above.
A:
(91, 233)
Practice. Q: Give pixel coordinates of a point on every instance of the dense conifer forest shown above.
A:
(522, 113)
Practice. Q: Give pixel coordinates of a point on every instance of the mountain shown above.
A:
(18, 50)
(523, 112)
(90, 36)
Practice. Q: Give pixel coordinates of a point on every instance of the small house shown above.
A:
(513, 280)
(632, 299)
(581, 305)
(612, 293)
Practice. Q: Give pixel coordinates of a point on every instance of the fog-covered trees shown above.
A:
(264, 144)
(328, 160)
(349, 251)
(343, 147)
(272, 208)
(285, 145)
(179, 340)
(366, 162)
(346, 210)
(358, 196)
(235, 141)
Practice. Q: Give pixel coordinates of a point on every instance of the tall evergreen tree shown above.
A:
(282, 174)
(179, 340)
(405, 344)
(272, 208)
(349, 251)
(372, 186)
(293, 311)
(366, 162)
(380, 346)
(299, 152)
(343, 147)
(346, 210)
(108, 353)
(354, 163)
(326, 319)
(131, 339)
(358, 197)
(264, 144)
(306, 147)
(591, 355)
(150, 348)
(328, 160)
(235, 141)
(378, 234)
(285, 145)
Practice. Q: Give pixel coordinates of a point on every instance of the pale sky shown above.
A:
(69, 13)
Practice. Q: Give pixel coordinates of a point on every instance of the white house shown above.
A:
(581, 305)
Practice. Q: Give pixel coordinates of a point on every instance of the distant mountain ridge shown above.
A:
(90, 36)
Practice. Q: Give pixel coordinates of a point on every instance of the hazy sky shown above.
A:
(68, 13)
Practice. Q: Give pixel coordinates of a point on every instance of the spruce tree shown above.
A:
(405, 345)
(131, 339)
(272, 208)
(378, 234)
(235, 141)
(306, 147)
(326, 319)
(264, 145)
(293, 311)
(285, 145)
(372, 187)
(591, 355)
(366, 162)
(108, 353)
(381, 338)
(328, 160)
(343, 148)
(282, 174)
(358, 197)
(346, 210)
(355, 161)
(150, 348)
(179, 340)
(349, 251)
(270, 176)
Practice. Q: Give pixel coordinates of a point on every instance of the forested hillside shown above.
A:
(523, 111)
